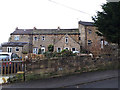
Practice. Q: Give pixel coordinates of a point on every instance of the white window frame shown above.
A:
(17, 48)
(43, 49)
(9, 49)
(66, 39)
(102, 44)
(35, 50)
(16, 37)
(60, 49)
(43, 38)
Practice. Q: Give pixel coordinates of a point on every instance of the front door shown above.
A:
(43, 50)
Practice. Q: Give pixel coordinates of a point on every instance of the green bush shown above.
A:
(39, 52)
(50, 48)
(66, 53)
(25, 52)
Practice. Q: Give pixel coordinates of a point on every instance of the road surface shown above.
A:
(107, 83)
(73, 80)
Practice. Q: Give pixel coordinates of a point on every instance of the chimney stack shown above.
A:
(16, 28)
(58, 28)
(34, 28)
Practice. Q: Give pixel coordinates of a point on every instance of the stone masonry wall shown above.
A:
(68, 65)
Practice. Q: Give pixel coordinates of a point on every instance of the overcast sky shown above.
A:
(44, 14)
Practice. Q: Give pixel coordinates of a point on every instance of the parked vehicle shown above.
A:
(8, 56)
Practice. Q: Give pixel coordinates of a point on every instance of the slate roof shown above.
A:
(86, 23)
(22, 31)
(14, 44)
(44, 31)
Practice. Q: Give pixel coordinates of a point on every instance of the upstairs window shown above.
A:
(43, 38)
(89, 42)
(66, 39)
(89, 31)
(73, 49)
(35, 38)
(16, 38)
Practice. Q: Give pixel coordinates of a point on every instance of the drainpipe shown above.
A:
(85, 38)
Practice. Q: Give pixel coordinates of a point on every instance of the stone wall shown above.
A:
(70, 65)
(19, 53)
(71, 44)
(54, 39)
(95, 46)
(25, 48)
(22, 38)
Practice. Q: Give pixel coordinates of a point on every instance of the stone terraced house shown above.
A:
(90, 41)
(31, 40)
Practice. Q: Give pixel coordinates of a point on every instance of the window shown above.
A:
(89, 42)
(102, 43)
(35, 38)
(43, 38)
(89, 31)
(16, 38)
(17, 49)
(66, 40)
(35, 50)
(66, 48)
(42, 50)
(9, 49)
(58, 49)
(73, 49)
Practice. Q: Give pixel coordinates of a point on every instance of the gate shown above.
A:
(11, 67)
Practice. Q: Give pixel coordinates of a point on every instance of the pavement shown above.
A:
(66, 81)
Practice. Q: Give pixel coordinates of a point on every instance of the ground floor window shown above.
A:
(58, 49)
(66, 48)
(73, 49)
(9, 49)
(17, 49)
(35, 50)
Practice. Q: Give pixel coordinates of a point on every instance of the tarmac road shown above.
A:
(107, 83)
(71, 80)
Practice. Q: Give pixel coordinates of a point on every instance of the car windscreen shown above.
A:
(4, 56)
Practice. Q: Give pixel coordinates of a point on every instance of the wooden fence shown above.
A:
(11, 67)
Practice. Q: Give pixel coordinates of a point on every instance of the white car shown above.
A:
(6, 55)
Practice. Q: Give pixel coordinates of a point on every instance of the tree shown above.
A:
(50, 48)
(108, 21)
